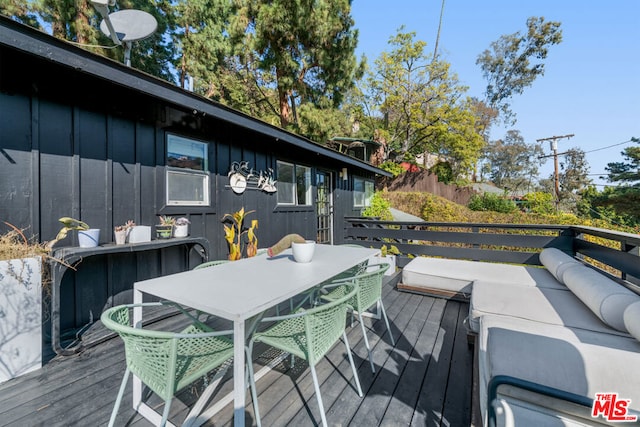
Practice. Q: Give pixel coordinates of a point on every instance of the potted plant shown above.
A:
(233, 235)
(87, 237)
(182, 227)
(164, 230)
(121, 232)
(387, 255)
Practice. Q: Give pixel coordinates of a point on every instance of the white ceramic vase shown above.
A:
(303, 252)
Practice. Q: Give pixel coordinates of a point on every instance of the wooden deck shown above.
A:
(426, 379)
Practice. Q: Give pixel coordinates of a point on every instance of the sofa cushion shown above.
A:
(606, 298)
(545, 305)
(458, 275)
(631, 319)
(574, 360)
(557, 262)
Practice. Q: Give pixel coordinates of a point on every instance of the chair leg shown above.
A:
(353, 365)
(165, 413)
(318, 396)
(116, 406)
(252, 383)
(366, 342)
(386, 320)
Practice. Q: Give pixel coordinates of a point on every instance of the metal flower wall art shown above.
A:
(242, 178)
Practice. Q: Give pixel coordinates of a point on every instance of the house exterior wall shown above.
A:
(72, 145)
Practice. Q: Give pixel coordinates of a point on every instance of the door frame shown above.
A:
(330, 175)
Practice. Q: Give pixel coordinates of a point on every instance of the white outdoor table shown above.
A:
(239, 290)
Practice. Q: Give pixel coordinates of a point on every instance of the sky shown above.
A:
(591, 85)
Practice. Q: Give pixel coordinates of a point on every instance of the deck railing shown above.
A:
(615, 253)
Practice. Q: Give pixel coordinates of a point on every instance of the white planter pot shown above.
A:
(140, 234)
(303, 252)
(20, 317)
(389, 259)
(181, 230)
(89, 238)
(120, 237)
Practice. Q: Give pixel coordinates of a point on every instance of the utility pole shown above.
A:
(556, 175)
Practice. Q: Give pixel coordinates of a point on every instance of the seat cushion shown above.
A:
(545, 305)
(574, 360)
(459, 275)
(606, 298)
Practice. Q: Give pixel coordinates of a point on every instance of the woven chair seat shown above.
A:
(289, 334)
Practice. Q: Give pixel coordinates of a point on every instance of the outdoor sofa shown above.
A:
(548, 340)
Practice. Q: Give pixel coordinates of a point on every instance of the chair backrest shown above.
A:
(150, 355)
(325, 324)
(369, 286)
(168, 361)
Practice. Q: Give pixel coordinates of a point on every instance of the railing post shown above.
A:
(630, 249)
(475, 230)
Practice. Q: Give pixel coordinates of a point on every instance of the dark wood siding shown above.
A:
(92, 149)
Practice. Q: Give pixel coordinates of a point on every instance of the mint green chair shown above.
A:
(167, 362)
(369, 294)
(308, 334)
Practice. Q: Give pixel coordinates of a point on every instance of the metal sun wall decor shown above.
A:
(242, 178)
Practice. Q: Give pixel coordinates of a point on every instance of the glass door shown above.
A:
(324, 207)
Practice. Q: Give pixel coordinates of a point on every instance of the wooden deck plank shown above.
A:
(405, 396)
(429, 409)
(457, 405)
(371, 411)
(425, 379)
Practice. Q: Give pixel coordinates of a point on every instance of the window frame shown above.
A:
(202, 173)
(368, 188)
(308, 194)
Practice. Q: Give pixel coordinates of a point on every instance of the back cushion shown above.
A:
(557, 262)
(632, 319)
(607, 299)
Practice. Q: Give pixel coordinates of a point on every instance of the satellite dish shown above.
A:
(129, 25)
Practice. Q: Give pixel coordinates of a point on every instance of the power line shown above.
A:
(608, 146)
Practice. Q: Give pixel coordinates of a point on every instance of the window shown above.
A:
(294, 184)
(362, 192)
(187, 172)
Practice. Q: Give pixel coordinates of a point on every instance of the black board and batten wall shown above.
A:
(85, 137)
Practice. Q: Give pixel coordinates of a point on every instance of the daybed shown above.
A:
(547, 339)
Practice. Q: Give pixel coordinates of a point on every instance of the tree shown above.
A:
(308, 46)
(629, 171)
(78, 21)
(624, 199)
(201, 33)
(21, 11)
(573, 177)
(513, 163)
(508, 66)
(418, 103)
